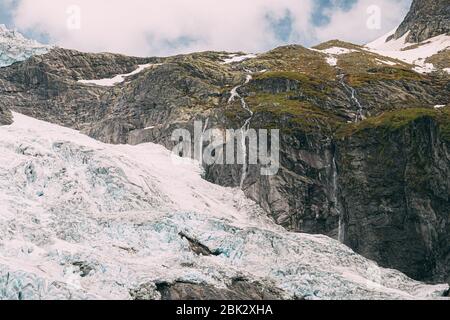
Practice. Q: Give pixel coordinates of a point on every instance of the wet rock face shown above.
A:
(395, 194)
(300, 197)
(426, 19)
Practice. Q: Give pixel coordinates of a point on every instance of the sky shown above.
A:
(167, 27)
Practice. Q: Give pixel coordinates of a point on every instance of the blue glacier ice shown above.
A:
(14, 47)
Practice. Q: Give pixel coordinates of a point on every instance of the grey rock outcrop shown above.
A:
(239, 289)
(426, 19)
(5, 116)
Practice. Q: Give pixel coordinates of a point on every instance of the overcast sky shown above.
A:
(165, 27)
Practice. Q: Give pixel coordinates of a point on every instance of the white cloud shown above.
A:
(360, 25)
(160, 27)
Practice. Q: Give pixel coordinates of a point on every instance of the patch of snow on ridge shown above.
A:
(233, 58)
(332, 54)
(381, 41)
(14, 47)
(332, 61)
(389, 63)
(110, 82)
(337, 51)
(422, 67)
(81, 219)
(392, 45)
(411, 53)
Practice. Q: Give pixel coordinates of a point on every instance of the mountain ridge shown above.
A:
(425, 19)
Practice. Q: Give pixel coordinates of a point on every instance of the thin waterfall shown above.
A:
(341, 228)
(244, 129)
(353, 96)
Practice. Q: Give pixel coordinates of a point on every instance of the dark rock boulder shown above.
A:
(197, 247)
(5, 116)
(238, 290)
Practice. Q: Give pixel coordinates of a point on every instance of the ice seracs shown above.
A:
(80, 219)
(14, 47)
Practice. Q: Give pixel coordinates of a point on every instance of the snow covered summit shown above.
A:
(15, 47)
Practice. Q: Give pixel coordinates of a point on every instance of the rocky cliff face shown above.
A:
(426, 19)
(394, 180)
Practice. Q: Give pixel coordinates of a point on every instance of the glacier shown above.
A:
(80, 219)
(14, 47)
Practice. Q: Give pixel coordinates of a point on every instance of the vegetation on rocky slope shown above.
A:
(296, 59)
(440, 60)
(301, 115)
(382, 73)
(394, 120)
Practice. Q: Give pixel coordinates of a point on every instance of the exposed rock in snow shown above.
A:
(80, 219)
(117, 79)
(14, 47)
